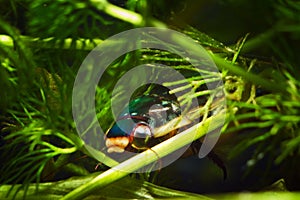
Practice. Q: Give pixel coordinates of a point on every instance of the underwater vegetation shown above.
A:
(254, 105)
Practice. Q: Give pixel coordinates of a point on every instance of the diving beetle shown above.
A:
(134, 129)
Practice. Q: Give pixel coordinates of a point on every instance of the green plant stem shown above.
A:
(51, 43)
(265, 37)
(59, 150)
(253, 78)
(258, 41)
(125, 15)
(147, 157)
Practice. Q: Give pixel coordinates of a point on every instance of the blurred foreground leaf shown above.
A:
(259, 195)
(126, 188)
(129, 188)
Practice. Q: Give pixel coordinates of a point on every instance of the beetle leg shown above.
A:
(194, 149)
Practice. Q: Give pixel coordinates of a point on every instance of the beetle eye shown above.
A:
(142, 131)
